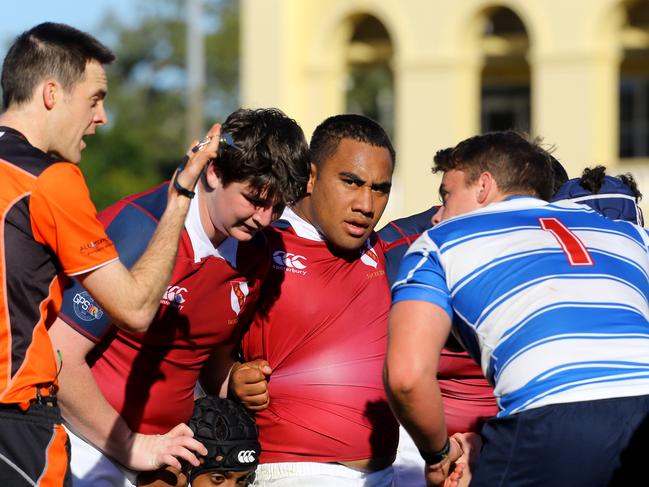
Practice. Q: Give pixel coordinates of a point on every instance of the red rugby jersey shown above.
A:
(323, 329)
(149, 378)
(468, 398)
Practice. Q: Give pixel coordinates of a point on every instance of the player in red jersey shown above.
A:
(124, 390)
(322, 325)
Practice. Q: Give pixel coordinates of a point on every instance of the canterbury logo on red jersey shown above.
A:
(238, 295)
(287, 259)
(174, 296)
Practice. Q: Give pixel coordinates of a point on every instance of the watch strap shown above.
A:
(177, 186)
(183, 191)
(438, 456)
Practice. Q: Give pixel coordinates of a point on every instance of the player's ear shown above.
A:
(212, 177)
(50, 92)
(486, 186)
(313, 172)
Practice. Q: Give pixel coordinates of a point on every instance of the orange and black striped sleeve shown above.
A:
(65, 219)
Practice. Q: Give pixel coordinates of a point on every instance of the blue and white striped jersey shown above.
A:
(550, 299)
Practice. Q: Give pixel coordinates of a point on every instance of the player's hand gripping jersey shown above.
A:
(149, 378)
(550, 299)
(323, 329)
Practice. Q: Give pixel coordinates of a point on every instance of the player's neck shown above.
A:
(213, 234)
(303, 209)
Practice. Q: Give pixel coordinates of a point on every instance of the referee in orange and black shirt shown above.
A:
(53, 88)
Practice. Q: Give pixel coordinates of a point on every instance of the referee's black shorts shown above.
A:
(598, 443)
(34, 447)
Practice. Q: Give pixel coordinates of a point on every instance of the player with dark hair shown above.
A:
(271, 155)
(550, 300)
(230, 435)
(324, 333)
(54, 85)
(124, 390)
(614, 197)
(327, 136)
(467, 397)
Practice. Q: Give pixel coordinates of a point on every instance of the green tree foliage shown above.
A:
(145, 137)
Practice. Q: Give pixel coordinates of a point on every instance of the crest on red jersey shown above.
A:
(369, 257)
(238, 295)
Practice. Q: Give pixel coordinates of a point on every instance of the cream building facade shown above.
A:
(575, 72)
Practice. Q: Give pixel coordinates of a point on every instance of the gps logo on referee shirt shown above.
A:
(86, 308)
(290, 262)
(246, 456)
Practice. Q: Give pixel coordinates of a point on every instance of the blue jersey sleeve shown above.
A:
(393, 256)
(130, 230)
(421, 276)
(397, 236)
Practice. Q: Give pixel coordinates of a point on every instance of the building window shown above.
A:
(634, 117)
(370, 80)
(634, 82)
(505, 107)
(505, 83)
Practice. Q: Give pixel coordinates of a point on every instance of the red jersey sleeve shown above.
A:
(64, 219)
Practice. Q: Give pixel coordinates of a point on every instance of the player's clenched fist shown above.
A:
(249, 383)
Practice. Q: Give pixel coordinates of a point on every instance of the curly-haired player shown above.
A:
(615, 197)
(127, 392)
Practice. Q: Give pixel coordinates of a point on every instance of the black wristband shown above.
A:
(181, 190)
(438, 456)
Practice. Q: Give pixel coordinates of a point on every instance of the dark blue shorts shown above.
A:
(589, 444)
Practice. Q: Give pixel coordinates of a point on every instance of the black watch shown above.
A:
(438, 456)
(181, 189)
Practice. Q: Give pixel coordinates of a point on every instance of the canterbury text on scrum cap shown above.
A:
(228, 432)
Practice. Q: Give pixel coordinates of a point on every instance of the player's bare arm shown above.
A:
(216, 372)
(131, 296)
(418, 330)
(85, 408)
